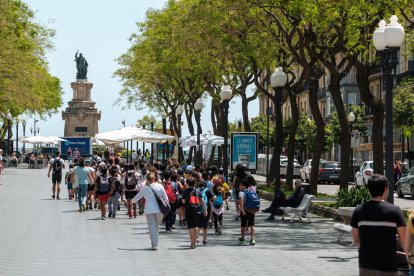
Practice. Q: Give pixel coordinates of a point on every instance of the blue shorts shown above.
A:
(69, 186)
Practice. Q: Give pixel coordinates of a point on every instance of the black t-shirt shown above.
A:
(377, 222)
(186, 196)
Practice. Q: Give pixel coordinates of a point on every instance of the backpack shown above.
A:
(131, 182)
(204, 197)
(219, 200)
(169, 190)
(103, 186)
(251, 201)
(194, 203)
(115, 185)
(57, 165)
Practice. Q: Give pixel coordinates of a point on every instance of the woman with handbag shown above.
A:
(150, 192)
(409, 237)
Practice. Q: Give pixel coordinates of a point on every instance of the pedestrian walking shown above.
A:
(84, 177)
(374, 227)
(217, 209)
(56, 165)
(130, 180)
(76, 155)
(116, 191)
(249, 205)
(152, 209)
(102, 189)
(194, 205)
(409, 238)
(69, 181)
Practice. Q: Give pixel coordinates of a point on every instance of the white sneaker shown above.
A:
(154, 247)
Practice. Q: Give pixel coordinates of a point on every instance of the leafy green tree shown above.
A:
(259, 125)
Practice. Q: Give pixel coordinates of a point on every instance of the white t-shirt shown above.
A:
(151, 204)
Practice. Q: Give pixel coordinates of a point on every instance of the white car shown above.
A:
(305, 171)
(365, 171)
(283, 167)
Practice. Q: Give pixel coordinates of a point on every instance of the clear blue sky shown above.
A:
(100, 30)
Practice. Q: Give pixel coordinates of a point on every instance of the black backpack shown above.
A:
(103, 186)
(131, 182)
(57, 165)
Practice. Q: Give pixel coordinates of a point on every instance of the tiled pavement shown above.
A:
(41, 236)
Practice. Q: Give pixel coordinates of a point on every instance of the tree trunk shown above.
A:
(291, 143)
(245, 113)
(377, 107)
(345, 143)
(320, 131)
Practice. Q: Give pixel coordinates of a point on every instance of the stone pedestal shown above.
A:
(346, 213)
(81, 117)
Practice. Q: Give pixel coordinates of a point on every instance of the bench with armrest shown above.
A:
(300, 211)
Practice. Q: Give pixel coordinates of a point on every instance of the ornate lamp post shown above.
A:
(24, 135)
(152, 121)
(179, 112)
(387, 40)
(278, 81)
(351, 119)
(17, 135)
(164, 131)
(9, 125)
(198, 106)
(225, 96)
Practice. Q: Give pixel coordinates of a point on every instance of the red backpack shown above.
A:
(169, 190)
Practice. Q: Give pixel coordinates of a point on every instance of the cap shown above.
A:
(102, 164)
(189, 168)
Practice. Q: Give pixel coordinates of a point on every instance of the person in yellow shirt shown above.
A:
(409, 238)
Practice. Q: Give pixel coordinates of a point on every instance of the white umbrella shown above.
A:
(205, 139)
(132, 133)
(42, 140)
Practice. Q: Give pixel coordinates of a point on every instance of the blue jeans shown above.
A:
(82, 191)
(412, 271)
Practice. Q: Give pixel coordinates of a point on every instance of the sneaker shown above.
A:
(53, 196)
(173, 226)
(205, 243)
(154, 247)
(217, 233)
(252, 242)
(103, 217)
(241, 240)
(193, 246)
(210, 224)
(109, 214)
(57, 197)
(83, 207)
(271, 218)
(267, 210)
(227, 208)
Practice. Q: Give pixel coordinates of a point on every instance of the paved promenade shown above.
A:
(41, 236)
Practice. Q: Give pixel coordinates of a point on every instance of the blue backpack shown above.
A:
(251, 201)
(219, 201)
(204, 196)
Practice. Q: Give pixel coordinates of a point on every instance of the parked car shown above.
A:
(296, 168)
(329, 171)
(405, 186)
(305, 171)
(365, 171)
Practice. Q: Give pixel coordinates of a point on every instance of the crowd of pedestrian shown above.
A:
(198, 195)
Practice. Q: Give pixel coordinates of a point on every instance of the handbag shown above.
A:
(410, 253)
(164, 206)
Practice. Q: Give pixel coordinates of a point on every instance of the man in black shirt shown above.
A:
(374, 225)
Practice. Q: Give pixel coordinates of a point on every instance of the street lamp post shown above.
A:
(351, 119)
(226, 95)
(152, 121)
(164, 131)
(198, 106)
(123, 123)
(9, 125)
(179, 112)
(17, 135)
(33, 130)
(143, 143)
(387, 40)
(278, 81)
(24, 135)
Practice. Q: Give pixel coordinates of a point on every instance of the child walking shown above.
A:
(249, 205)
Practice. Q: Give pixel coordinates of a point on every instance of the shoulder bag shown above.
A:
(164, 206)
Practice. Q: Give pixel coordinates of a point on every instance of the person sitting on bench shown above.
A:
(292, 201)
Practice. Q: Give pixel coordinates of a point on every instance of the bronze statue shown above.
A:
(81, 66)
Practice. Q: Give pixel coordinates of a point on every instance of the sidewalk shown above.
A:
(39, 235)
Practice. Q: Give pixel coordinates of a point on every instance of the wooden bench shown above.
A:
(300, 211)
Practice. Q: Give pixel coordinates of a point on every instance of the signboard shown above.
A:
(83, 144)
(355, 139)
(244, 149)
(161, 148)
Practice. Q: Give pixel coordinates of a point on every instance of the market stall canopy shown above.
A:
(132, 133)
(96, 142)
(205, 139)
(42, 140)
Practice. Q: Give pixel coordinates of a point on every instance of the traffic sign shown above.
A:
(355, 139)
